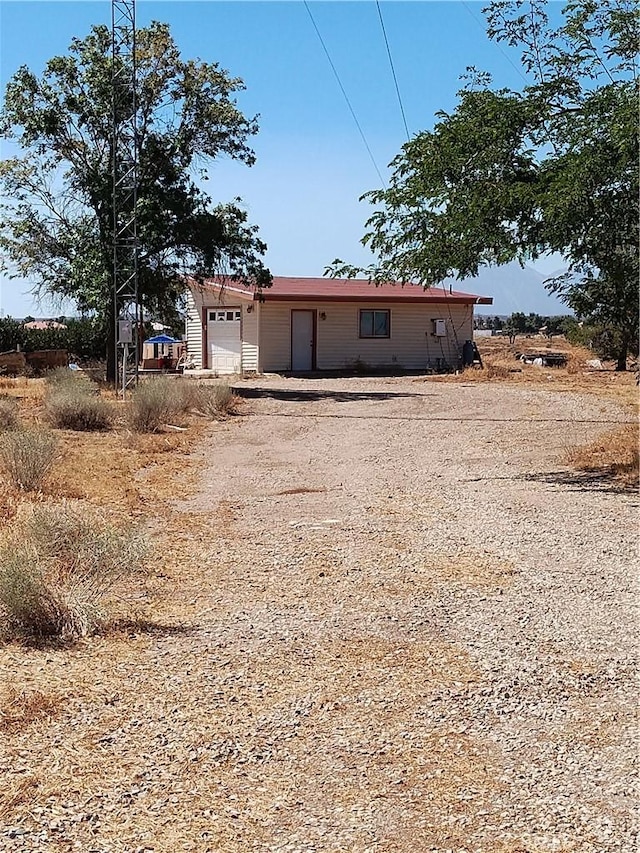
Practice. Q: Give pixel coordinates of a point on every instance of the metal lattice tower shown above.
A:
(125, 191)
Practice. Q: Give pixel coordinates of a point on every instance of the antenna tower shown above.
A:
(125, 190)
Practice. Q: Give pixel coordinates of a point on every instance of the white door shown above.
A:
(302, 341)
(224, 343)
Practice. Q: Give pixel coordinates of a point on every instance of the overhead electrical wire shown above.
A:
(393, 70)
(346, 97)
(497, 44)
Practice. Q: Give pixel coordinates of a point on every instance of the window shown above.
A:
(375, 324)
(224, 316)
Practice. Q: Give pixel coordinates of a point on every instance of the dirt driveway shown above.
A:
(409, 627)
(435, 618)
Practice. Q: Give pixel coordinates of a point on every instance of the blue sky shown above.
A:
(312, 164)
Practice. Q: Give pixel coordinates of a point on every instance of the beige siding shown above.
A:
(338, 345)
(199, 299)
(250, 338)
(194, 329)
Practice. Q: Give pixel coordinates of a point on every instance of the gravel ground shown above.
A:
(409, 628)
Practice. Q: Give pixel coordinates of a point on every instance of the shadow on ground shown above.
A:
(600, 480)
(309, 395)
(133, 627)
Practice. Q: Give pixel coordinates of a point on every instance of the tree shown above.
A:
(510, 175)
(56, 223)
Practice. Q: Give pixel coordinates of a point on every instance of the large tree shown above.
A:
(56, 225)
(512, 174)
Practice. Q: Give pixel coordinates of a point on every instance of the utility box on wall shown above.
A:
(440, 328)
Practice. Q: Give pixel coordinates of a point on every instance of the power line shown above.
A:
(346, 97)
(393, 70)
(497, 44)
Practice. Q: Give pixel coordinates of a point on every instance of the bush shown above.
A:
(157, 402)
(214, 401)
(26, 456)
(8, 415)
(63, 377)
(58, 568)
(73, 408)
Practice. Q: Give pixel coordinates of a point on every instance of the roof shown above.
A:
(40, 325)
(287, 289)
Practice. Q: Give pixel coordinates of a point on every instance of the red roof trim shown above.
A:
(287, 289)
(427, 296)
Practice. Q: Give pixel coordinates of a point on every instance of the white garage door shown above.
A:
(224, 343)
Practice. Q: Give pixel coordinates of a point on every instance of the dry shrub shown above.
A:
(495, 370)
(215, 401)
(58, 567)
(73, 408)
(26, 457)
(9, 418)
(157, 402)
(616, 453)
(64, 377)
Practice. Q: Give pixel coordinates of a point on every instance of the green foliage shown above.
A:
(84, 338)
(61, 238)
(9, 418)
(58, 569)
(27, 456)
(510, 175)
(157, 402)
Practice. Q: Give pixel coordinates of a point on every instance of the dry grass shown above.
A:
(20, 708)
(9, 417)
(615, 453)
(27, 456)
(73, 408)
(214, 401)
(158, 402)
(59, 565)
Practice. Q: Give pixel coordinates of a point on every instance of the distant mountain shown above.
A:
(513, 289)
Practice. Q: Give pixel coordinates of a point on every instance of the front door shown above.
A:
(303, 339)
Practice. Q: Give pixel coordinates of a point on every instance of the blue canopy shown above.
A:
(162, 339)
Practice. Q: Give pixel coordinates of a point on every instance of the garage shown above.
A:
(224, 340)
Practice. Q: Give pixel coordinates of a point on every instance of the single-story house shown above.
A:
(305, 324)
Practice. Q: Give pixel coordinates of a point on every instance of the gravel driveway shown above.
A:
(447, 611)
(395, 622)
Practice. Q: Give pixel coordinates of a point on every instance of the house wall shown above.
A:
(198, 300)
(338, 345)
(194, 328)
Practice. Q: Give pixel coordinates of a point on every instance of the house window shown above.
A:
(375, 324)
(224, 316)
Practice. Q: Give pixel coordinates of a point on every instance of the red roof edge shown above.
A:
(299, 289)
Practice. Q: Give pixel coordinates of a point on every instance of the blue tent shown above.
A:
(163, 339)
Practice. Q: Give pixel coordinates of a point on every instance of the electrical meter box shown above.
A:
(125, 332)
(440, 328)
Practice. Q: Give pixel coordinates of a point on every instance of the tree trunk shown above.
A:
(622, 354)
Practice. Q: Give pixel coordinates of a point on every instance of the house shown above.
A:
(305, 324)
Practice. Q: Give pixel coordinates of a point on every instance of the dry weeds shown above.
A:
(615, 453)
(211, 718)
(19, 708)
